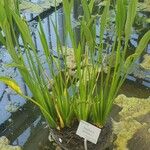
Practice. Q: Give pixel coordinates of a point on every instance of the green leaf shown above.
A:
(2, 39)
(2, 14)
(120, 16)
(130, 18)
(103, 21)
(91, 5)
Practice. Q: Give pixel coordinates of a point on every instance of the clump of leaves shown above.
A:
(14, 5)
(90, 92)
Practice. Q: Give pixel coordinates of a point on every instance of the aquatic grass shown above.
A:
(114, 80)
(14, 5)
(89, 93)
(101, 100)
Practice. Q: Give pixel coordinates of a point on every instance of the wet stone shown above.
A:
(131, 129)
(39, 6)
(146, 62)
(140, 139)
(4, 144)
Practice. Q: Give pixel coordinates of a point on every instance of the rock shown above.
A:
(144, 6)
(58, 148)
(140, 140)
(133, 124)
(149, 130)
(37, 7)
(4, 140)
(70, 58)
(146, 62)
(132, 107)
(4, 144)
(125, 131)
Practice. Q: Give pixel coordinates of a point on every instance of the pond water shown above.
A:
(21, 121)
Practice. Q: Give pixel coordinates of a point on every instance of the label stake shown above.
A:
(85, 144)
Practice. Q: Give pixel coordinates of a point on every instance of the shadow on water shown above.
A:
(23, 123)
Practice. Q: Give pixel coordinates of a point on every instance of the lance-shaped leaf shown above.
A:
(11, 83)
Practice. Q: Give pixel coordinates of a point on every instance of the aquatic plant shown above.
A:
(89, 92)
(14, 5)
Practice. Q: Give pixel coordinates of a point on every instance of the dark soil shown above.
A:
(68, 140)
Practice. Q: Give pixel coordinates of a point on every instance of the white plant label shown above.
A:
(88, 131)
